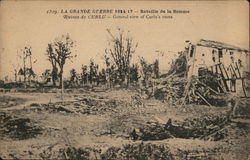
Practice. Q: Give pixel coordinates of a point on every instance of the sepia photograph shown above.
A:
(124, 80)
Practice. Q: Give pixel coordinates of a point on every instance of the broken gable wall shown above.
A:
(208, 56)
(238, 59)
(202, 57)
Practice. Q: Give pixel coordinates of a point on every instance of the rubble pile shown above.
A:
(179, 66)
(135, 151)
(207, 128)
(128, 151)
(242, 109)
(18, 128)
(176, 88)
(138, 151)
(82, 106)
(169, 89)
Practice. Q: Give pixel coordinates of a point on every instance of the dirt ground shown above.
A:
(116, 124)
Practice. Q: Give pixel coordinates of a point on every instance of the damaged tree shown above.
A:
(121, 51)
(51, 57)
(25, 71)
(58, 52)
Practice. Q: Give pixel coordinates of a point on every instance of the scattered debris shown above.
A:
(135, 151)
(8, 101)
(207, 128)
(18, 128)
(83, 106)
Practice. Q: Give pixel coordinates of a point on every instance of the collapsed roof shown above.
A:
(219, 45)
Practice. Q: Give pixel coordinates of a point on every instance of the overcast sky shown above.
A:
(27, 24)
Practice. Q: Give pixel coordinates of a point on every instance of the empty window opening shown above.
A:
(192, 51)
(232, 59)
(240, 62)
(214, 52)
(220, 53)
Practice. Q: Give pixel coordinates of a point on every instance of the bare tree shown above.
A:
(156, 68)
(108, 71)
(60, 51)
(46, 75)
(30, 72)
(93, 71)
(84, 75)
(147, 71)
(120, 52)
(73, 76)
(25, 70)
(15, 68)
(102, 76)
(51, 57)
(134, 73)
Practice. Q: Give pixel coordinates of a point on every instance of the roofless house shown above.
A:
(229, 63)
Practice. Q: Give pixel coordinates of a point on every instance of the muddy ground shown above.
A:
(117, 124)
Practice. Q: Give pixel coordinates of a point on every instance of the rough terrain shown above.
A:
(116, 124)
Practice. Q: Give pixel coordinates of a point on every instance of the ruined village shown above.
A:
(196, 108)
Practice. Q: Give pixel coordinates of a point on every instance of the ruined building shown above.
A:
(228, 62)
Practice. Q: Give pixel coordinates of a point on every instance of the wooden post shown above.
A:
(207, 87)
(216, 69)
(203, 99)
(212, 69)
(189, 78)
(225, 71)
(223, 79)
(242, 80)
(238, 69)
(243, 87)
(233, 70)
(62, 91)
(231, 79)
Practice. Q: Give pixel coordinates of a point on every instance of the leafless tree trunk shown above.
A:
(121, 51)
(58, 53)
(26, 52)
(51, 57)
